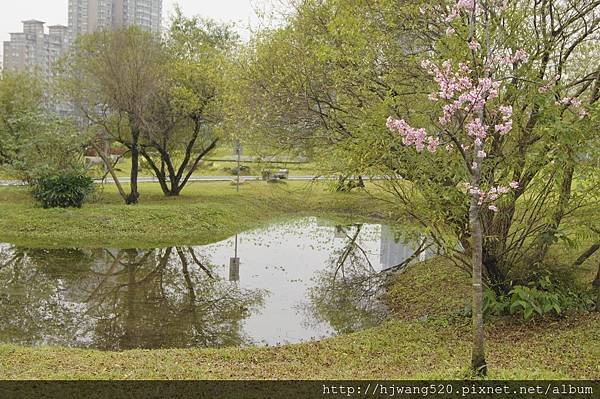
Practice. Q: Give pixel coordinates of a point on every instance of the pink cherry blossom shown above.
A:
(452, 15)
(575, 103)
(411, 136)
(477, 129)
(448, 112)
(468, 113)
(504, 128)
(487, 196)
(433, 144)
(506, 111)
(474, 190)
(520, 56)
(463, 99)
(501, 4)
(563, 101)
(468, 5)
(490, 87)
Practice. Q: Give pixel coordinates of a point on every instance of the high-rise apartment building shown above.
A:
(86, 16)
(144, 13)
(34, 49)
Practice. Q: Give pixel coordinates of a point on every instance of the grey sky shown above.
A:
(54, 12)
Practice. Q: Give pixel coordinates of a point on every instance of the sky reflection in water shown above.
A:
(295, 281)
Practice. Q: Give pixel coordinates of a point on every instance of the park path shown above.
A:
(151, 179)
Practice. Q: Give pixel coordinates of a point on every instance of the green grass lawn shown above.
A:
(216, 164)
(426, 337)
(216, 168)
(205, 212)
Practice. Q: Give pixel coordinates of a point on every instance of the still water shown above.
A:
(290, 282)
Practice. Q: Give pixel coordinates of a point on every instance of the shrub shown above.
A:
(543, 298)
(62, 189)
(554, 270)
(525, 301)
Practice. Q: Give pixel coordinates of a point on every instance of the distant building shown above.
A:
(394, 252)
(35, 50)
(87, 16)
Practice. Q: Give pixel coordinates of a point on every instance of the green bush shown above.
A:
(528, 301)
(543, 298)
(62, 189)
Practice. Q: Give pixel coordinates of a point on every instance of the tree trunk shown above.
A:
(478, 363)
(174, 192)
(181, 183)
(160, 173)
(497, 278)
(497, 228)
(551, 230)
(130, 325)
(111, 170)
(587, 254)
(134, 195)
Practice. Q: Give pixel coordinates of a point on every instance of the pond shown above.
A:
(295, 281)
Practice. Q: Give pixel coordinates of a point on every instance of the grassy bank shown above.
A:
(205, 212)
(409, 346)
(427, 336)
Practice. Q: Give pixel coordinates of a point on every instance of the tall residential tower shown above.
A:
(35, 50)
(86, 16)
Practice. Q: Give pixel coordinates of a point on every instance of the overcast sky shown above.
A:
(54, 12)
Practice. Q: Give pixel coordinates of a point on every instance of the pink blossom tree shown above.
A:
(471, 123)
(503, 130)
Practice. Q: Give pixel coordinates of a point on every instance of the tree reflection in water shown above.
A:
(119, 299)
(297, 281)
(347, 294)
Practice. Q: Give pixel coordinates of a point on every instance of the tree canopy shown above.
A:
(160, 97)
(327, 81)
